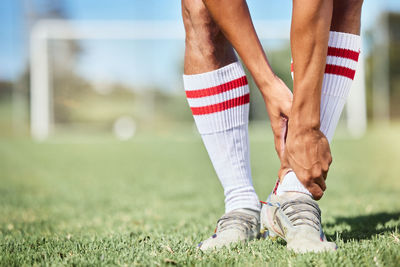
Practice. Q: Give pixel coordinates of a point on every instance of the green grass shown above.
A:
(149, 201)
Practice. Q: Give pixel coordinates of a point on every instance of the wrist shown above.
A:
(264, 77)
(269, 86)
(299, 124)
(305, 114)
(299, 121)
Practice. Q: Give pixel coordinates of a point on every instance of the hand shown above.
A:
(278, 100)
(309, 155)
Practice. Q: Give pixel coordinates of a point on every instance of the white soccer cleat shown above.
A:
(239, 225)
(296, 218)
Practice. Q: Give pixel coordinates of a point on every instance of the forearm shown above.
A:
(309, 42)
(233, 17)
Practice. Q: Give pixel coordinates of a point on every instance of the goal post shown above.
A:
(41, 108)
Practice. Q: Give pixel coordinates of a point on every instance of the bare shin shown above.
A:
(346, 16)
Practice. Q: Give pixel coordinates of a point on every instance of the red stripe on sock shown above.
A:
(345, 53)
(242, 81)
(339, 70)
(238, 101)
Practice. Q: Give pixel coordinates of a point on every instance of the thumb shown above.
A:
(285, 166)
(280, 132)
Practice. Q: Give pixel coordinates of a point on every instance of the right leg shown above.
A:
(218, 95)
(346, 16)
(343, 51)
(291, 211)
(341, 62)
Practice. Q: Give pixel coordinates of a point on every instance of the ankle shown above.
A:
(291, 183)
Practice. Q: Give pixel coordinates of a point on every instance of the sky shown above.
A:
(141, 63)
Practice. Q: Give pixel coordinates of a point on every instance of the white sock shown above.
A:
(341, 64)
(219, 101)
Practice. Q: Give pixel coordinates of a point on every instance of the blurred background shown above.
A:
(100, 160)
(79, 68)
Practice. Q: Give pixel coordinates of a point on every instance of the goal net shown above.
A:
(65, 95)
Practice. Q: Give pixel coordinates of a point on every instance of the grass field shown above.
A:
(149, 201)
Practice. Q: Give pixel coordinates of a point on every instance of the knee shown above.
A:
(347, 6)
(197, 19)
(202, 33)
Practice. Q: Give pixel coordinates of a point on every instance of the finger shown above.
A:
(330, 159)
(279, 146)
(312, 186)
(325, 174)
(280, 137)
(324, 168)
(315, 191)
(285, 122)
(321, 183)
(325, 163)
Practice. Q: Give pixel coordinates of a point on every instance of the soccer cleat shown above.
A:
(239, 225)
(296, 218)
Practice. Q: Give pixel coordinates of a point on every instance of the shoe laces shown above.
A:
(238, 220)
(303, 211)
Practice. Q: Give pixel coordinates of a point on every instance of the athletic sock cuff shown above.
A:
(219, 99)
(344, 40)
(341, 63)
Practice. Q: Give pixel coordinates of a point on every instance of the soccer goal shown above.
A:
(41, 108)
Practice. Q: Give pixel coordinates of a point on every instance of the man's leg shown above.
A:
(218, 95)
(343, 51)
(295, 216)
(341, 64)
(342, 56)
